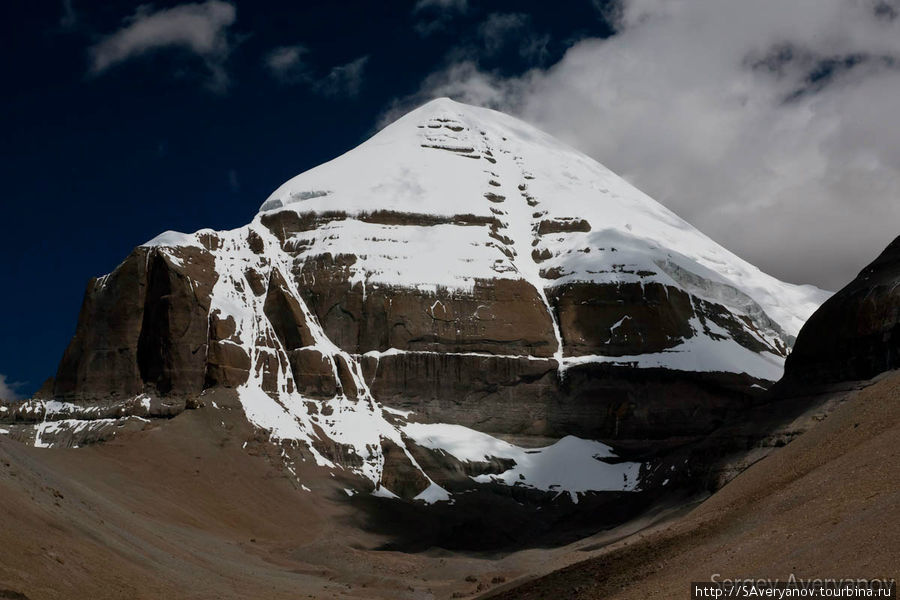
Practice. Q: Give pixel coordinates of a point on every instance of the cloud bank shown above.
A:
(769, 125)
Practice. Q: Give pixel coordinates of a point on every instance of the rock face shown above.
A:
(461, 269)
(856, 333)
(142, 328)
(853, 337)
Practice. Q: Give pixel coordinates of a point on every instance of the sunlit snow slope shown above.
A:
(563, 218)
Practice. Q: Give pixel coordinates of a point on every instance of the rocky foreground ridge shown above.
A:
(461, 302)
(856, 334)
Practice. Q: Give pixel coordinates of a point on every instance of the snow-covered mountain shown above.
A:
(524, 206)
(459, 278)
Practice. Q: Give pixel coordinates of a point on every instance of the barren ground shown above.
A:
(181, 510)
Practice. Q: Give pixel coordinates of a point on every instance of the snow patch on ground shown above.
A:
(570, 465)
(433, 493)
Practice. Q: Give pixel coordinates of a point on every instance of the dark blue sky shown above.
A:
(99, 157)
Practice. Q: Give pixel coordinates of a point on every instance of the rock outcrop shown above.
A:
(142, 328)
(849, 343)
(856, 333)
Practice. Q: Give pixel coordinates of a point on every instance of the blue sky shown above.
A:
(122, 121)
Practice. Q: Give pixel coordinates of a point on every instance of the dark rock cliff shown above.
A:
(142, 328)
(856, 333)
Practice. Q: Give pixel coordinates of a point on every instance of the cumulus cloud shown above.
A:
(201, 29)
(769, 125)
(8, 389)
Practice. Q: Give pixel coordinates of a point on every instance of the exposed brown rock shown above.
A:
(621, 319)
(266, 368)
(855, 334)
(102, 356)
(552, 273)
(628, 319)
(209, 240)
(548, 226)
(541, 255)
(817, 505)
(219, 328)
(400, 476)
(285, 223)
(495, 394)
(391, 217)
(227, 364)
(286, 315)
(500, 316)
(465, 150)
(255, 243)
(503, 395)
(255, 281)
(313, 373)
(144, 326)
(348, 385)
(171, 350)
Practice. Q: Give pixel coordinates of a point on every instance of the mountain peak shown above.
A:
(399, 169)
(460, 264)
(445, 160)
(442, 103)
(447, 107)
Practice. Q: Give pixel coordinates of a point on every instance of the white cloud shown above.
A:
(8, 389)
(769, 125)
(199, 28)
(343, 80)
(448, 5)
(286, 63)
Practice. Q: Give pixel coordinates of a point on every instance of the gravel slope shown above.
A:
(825, 505)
